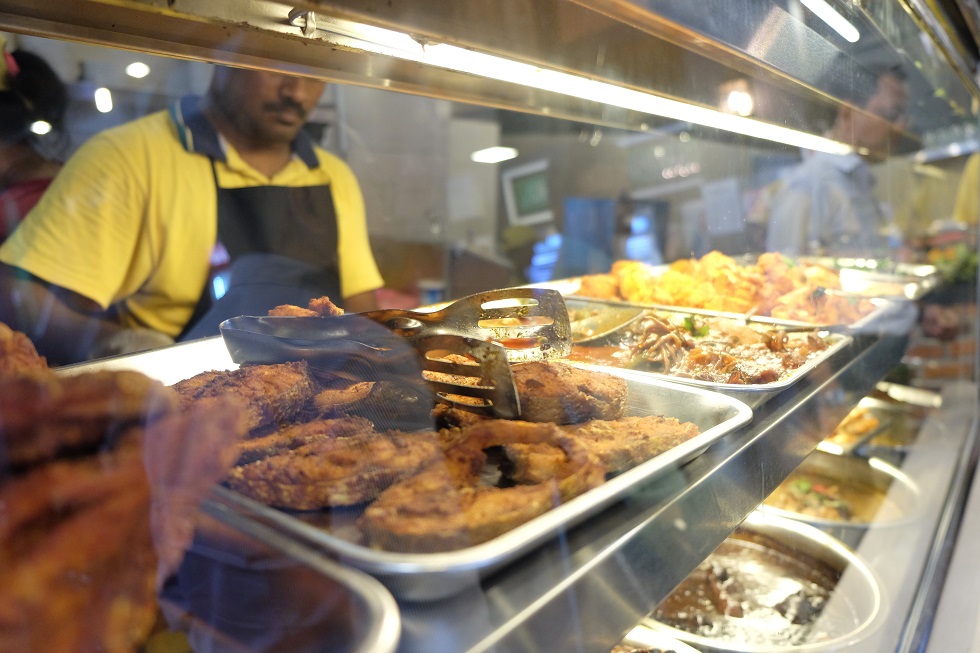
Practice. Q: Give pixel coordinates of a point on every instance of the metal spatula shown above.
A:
(477, 378)
(530, 323)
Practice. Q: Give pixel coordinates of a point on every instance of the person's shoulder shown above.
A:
(148, 134)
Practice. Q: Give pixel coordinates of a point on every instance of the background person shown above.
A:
(116, 256)
(826, 205)
(30, 91)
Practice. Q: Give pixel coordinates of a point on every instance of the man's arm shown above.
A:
(64, 326)
(360, 303)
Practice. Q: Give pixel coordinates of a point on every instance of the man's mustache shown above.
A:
(286, 105)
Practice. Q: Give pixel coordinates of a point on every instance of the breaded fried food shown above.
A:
(17, 353)
(600, 286)
(271, 394)
(618, 444)
(447, 507)
(77, 559)
(44, 415)
(390, 405)
(317, 307)
(297, 435)
(335, 472)
(86, 542)
(552, 391)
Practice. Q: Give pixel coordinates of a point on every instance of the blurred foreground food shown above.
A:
(101, 476)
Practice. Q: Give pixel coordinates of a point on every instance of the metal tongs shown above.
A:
(466, 346)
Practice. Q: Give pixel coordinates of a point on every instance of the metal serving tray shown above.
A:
(891, 313)
(751, 395)
(431, 576)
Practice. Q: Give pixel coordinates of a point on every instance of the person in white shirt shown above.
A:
(826, 205)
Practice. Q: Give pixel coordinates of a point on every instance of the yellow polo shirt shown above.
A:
(131, 220)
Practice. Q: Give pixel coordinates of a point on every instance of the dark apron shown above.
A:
(282, 244)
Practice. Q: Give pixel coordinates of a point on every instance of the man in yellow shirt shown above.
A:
(121, 246)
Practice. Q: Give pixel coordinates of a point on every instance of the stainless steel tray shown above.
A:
(891, 314)
(876, 278)
(431, 576)
(752, 395)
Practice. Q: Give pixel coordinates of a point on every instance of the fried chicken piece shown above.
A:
(271, 394)
(44, 415)
(445, 507)
(295, 436)
(335, 472)
(551, 391)
(317, 307)
(17, 353)
(600, 286)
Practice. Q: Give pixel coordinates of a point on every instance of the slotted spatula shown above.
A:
(530, 323)
(464, 372)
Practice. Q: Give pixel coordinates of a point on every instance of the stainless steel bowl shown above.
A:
(897, 497)
(854, 609)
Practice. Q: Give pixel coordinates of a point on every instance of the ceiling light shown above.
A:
(494, 154)
(41, 127)
(395, 44)
(103, 99)
(137, 69)
(829, 15)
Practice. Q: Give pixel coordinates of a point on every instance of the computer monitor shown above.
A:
(526, 197)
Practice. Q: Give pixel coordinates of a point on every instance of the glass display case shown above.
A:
(656, 132)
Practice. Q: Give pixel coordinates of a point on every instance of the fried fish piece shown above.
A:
(78, 561)
(336, 471)
(17, 353)
(44, 415)
(619, 444)
(446, 507)
(296, 435)
(271, 394)
(552, 391)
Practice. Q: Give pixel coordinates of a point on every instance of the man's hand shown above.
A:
(64, 326)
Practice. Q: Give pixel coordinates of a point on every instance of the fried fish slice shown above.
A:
(298, 435)
(77, 560)
(335, 472)
(619, 444)
(552, 391)
(271, 394)
(446, 507)
(43, 415)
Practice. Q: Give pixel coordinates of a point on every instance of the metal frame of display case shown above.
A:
(587, 588)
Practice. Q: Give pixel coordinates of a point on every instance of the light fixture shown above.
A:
(103, 99)
(494, 154)
(137, 69)
(450, 57)
(829, 15)
(41, 127)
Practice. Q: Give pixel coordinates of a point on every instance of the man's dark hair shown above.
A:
(856, 84)
(34, 93)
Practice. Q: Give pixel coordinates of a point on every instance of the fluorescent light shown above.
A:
(137, 69)
(829, 15)
(103, 99)
(494, 154)
(395, 44)
(41, 127)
